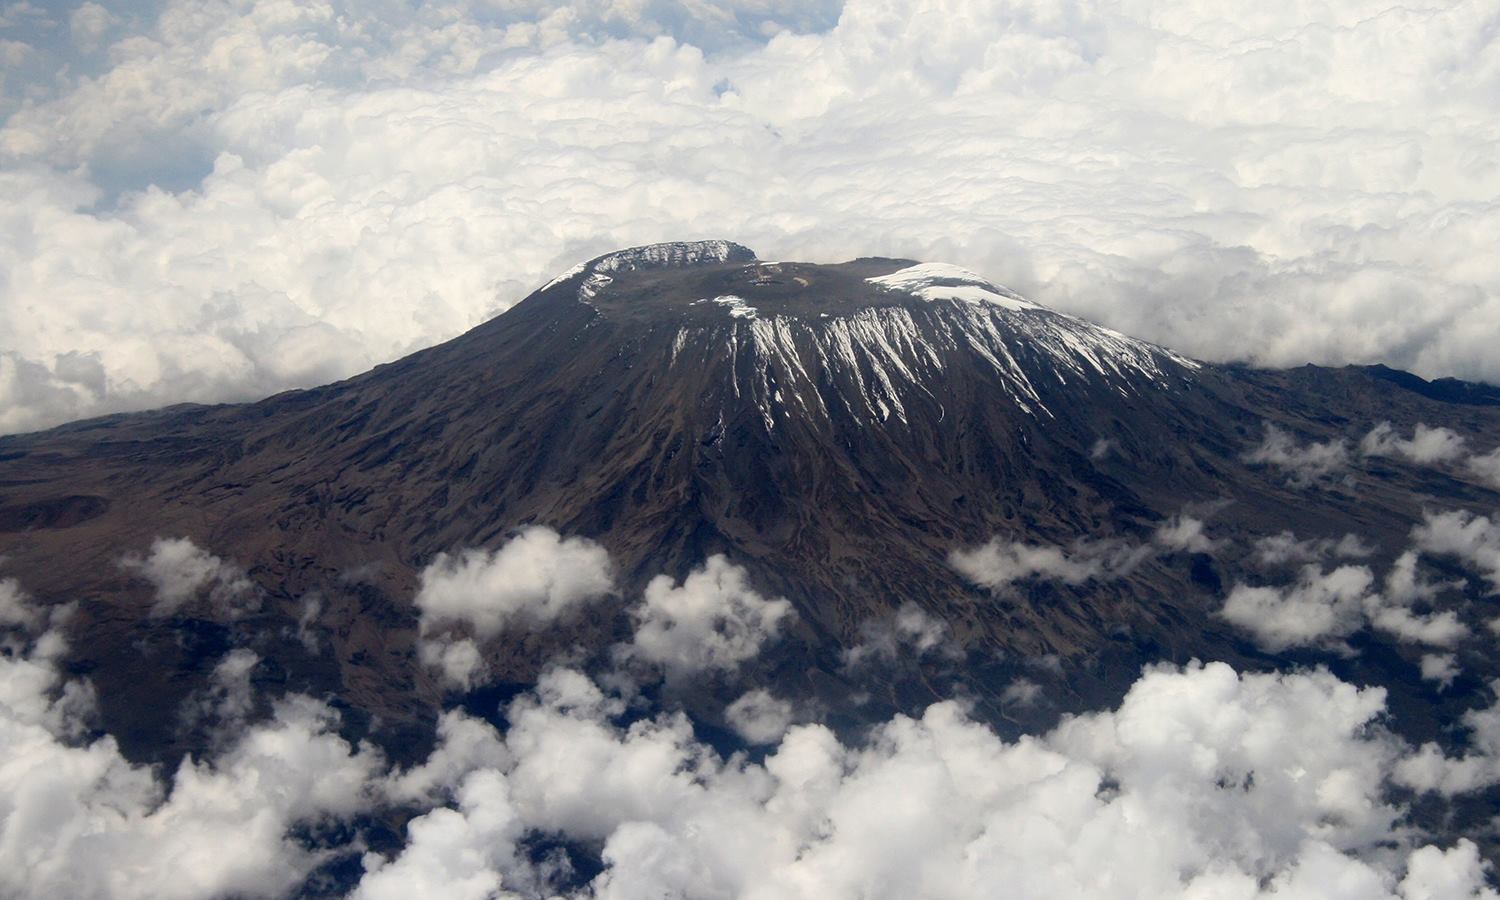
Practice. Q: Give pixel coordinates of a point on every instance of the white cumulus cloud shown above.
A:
(1304, 463)
(1487, 466)
(1427, 444)
(79, 820)
(1473, 538)
(1285, 547)
(713, 620)
(1202, 783)
(1429, 769)
(999, 563)
(181, 572)
(759, 717)
(534, 580)
(909, 633)
(1322, 607)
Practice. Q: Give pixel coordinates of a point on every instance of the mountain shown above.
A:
(840, 431)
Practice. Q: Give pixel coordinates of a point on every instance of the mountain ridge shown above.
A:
(839, 459)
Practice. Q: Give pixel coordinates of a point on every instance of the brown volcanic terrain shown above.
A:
(839, 441)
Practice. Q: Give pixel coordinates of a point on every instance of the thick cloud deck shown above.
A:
(231, 199)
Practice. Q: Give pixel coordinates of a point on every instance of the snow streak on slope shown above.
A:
(874, 363)
(737, 307)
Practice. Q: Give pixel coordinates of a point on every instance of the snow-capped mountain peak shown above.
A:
(872, 340)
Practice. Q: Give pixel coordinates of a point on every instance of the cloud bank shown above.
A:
(218, 199)
(1203, 783)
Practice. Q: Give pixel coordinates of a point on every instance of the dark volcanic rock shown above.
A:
(836, 429)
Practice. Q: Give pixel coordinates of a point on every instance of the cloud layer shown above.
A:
(222, 198)
(1202, 782)
(79, 820)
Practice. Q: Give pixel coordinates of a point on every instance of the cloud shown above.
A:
(1304, 463)
(232, 199)
(458, 659)
(88, 24)
(451, 852)
(1427, 445)
(1432, 873)
(1429, 769)
(1022, 692)
(1285, 548)
(998, 563)
(16, 610)
(1203, 782)
(1440, 629)
(1320, 606)
(228, 700)
(1184, 534)
(464, 744)
(79, 820)
(181, 570)
(713, 620)
(1307, 463)
(911, 633)
(759, 717)
(1323, 607)
(1440, 667)
(1470, 537)
(535, 580)
(307, 620)
(1404, 587)
(1487, 466)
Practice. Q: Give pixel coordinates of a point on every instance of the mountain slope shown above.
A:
(839, 430)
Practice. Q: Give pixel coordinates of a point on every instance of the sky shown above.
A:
(211, 201)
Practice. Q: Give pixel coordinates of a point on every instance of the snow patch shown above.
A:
(737, 306)
(576, 270)
(676, 254)
(941, 281)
